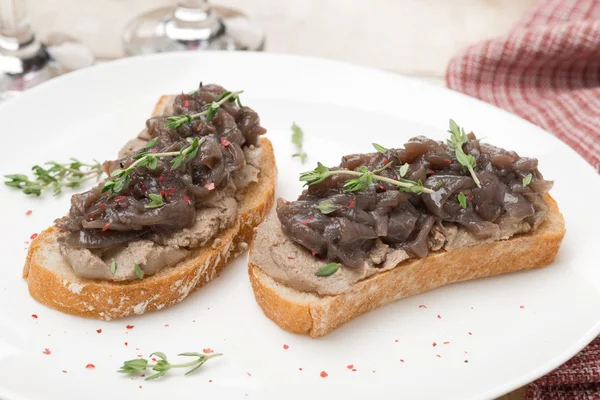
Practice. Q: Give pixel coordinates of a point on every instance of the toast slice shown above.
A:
(315, 315)
(52, 281)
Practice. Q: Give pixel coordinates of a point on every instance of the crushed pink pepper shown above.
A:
(28, 213)
(47, 351)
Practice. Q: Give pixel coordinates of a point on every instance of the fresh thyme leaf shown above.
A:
(138, 364)
(329, 269)
(56, 177)
(160, 354)
(403, 169)
(113, 267)
(210, 110)
(364, 180)
(152, 162)
(162, 366)
(327, 207)
(527, 179)
(156, 201)
(315, 176)
(298, 140)
(462, 199)
(151, 143)
(455, 143)
(380, 148)
(138, 271)
(439, 184)
(386, 166)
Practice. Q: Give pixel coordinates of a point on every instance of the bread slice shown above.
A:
(52, 281)
(315, 315)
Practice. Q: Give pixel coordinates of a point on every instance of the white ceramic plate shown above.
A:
(511, 329)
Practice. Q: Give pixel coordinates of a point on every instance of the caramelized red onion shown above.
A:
(96, 220)
(404, 220)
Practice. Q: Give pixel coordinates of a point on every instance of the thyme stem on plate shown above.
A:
(298, 140)
(162, 365)
(56, 176)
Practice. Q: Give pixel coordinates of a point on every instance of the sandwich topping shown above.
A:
(376, 210)
(172, 189)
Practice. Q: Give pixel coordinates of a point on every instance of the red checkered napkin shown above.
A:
(547, 70)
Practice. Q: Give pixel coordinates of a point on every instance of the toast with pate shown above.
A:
(383, 226)
(144, 239)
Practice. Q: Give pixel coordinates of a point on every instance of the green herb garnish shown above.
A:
(57, 176)
(363, 180)
(456, 141)
(462, 199)
(403, 169)
(151, 143)
(210, 110)
(121, 178)
(162, 365)
(298, 140)
(329, 269)
(379, 148)
(138, 271)
(156, 201)
(327, 207)
(527, 179)
(113, 267)
(439, 184)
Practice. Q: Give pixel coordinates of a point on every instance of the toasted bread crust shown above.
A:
(315, 315)
(61, 289)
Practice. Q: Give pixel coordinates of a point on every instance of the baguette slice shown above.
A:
(52, 281)
(315, 315)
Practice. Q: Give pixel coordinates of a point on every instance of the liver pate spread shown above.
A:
(197, 199)
(378, 227)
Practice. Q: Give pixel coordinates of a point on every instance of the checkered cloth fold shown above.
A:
(547, 70)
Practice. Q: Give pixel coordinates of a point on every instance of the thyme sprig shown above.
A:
(210, 110)
(162, 365)
(364, 179)
(298, 140)
(56, 177)
(455, 143)
(121, 178)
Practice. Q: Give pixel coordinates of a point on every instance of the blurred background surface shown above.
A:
(412, 37)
